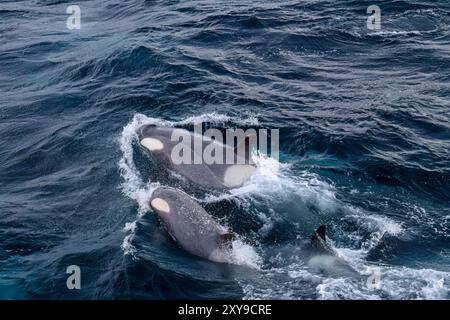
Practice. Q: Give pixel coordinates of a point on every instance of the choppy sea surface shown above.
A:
(364, 119)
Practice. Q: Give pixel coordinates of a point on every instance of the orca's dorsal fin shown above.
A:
(226, 239)
(318, 239)
(321, 232)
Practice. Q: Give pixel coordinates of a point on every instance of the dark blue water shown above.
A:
(364, 119)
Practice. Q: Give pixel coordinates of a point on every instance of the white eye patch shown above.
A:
(152, 144)
(160, 205)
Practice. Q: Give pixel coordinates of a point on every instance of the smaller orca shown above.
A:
(190, 225)
(322, 258)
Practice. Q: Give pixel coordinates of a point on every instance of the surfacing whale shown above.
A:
(191, 226)
(158, 141)
(322, 258)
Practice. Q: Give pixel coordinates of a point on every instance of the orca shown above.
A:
(191, 226)
(322, 258)
(158, 141)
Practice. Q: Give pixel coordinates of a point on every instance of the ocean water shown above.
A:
(364, 119)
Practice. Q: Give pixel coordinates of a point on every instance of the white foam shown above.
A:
(394, 33)
(275, 182)
(378, 227)
(341, 288)
(236, 175)
(286, 280)
(395, 283)
(240, 254)
(133, 186)
(216, 118)
(244, 254)
(127, 246)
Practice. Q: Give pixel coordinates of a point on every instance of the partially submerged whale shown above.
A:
(322, 258)
(158, 140)
(190, 225)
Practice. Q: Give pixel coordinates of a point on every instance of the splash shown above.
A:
(240, 254)
(395, 283)
(275, 182)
